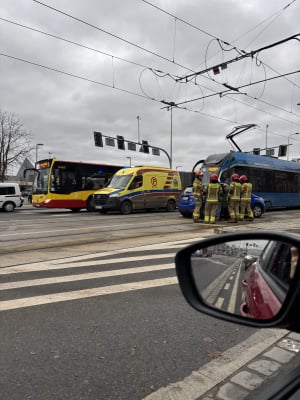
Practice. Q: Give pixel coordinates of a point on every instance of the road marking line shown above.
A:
(82, 277)
(48, 266)
(233, 298)
(219, 302)
(43, 265)
(85, 293)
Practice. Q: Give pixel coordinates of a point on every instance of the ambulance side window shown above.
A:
(136, 183)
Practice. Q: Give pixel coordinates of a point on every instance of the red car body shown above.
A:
(259, 299)
(266, 281)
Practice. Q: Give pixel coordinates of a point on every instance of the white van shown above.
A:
(10, 196)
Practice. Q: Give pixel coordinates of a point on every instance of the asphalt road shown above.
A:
(99, 315)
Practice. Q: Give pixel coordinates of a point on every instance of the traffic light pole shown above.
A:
(98, 137)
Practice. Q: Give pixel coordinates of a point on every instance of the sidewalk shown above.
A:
(239, 372)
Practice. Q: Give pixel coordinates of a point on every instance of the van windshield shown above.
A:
(119, 182)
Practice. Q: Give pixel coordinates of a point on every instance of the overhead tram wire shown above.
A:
(128, 42)
(166, 59)
(115, 36)
(78, 77)
(248, 54)
(274, 17)
(154, 70)
(74, 43)
(215, 37)
(237, 88)
(233, 47)
(181, 20)
(119, 89)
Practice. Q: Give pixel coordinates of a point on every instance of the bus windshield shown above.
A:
(40, 183)
(119, 182)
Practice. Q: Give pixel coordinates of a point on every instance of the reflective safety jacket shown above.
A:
(213, 192)
(198, 188)
(246, 191)
(235, 191)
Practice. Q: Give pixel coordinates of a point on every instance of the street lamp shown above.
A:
(288, 148)
(37, 149)
(129, 161)
(138, 120)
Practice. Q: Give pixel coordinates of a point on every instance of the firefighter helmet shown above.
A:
(214, 177)
(243, 178)
(235, 177)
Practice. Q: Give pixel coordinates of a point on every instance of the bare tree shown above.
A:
(15, 142)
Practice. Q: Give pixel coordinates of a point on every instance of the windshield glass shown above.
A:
(40, 184)
(119, 182)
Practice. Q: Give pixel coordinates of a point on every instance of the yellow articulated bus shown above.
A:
(140, 188)
(69, 184)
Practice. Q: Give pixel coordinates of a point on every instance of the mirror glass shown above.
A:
(246, 277)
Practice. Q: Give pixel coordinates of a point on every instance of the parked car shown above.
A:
(186, 203)
(10, 196)
(192, 275)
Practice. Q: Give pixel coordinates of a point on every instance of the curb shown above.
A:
(239, 371)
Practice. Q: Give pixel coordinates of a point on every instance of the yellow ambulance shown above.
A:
(140, 188)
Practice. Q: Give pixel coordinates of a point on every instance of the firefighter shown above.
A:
(198, 195)
(245, 204)
(234, 198)
(213, 191)
(224, 215)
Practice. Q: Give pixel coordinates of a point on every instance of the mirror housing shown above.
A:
(288, 314)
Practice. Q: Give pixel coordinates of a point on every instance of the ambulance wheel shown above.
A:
(171, 206)
(126, 207)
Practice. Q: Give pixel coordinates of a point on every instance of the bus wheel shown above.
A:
(257, 211)
(171, 206)
(126, 207)
(90, 206)
(75, 210)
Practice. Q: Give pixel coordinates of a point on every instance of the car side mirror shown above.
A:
(246, 277)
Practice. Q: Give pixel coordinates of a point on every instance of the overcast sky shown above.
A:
(112, 61)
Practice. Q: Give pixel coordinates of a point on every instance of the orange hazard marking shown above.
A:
(153, 181)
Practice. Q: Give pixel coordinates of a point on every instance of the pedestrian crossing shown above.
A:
(97, 274)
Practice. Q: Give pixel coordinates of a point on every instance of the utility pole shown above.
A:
(267, 126)
(37, 149)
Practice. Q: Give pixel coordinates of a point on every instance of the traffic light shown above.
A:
(145, 147)
(282, 150)
(98, 139)
(256, 151)
(155, 151)
(120, 142)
